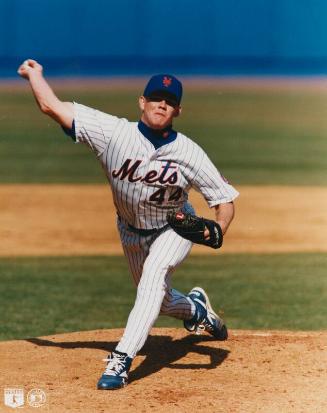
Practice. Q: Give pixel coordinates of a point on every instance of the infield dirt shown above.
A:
(264, 372)
(39, 220)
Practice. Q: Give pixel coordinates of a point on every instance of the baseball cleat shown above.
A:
(206, 320)
(115, 375)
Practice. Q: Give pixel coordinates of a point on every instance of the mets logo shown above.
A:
(167, 81)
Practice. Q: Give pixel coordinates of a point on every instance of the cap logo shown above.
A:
(167, 81)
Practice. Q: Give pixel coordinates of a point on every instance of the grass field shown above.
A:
(263, 137)
(42, 296)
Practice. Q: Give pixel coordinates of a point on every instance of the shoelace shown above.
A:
(199, 329)
(206, 325)
(115, 366)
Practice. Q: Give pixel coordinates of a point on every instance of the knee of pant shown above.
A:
(153, 269)
(155, 280)
(145, 293)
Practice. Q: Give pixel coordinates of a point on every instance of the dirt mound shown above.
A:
(175, 372)
(80, 220)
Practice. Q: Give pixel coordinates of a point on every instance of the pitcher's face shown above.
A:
(158, 112)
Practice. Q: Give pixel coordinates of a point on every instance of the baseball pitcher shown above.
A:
(150, 168)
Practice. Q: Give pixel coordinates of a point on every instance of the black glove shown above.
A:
(192, 228)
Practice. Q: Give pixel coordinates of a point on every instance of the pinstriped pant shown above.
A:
(152, 260)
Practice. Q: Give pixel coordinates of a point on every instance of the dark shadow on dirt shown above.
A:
(160, 351)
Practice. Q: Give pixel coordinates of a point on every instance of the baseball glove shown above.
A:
(192, 228)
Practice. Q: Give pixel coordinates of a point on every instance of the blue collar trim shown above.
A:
(157, 137)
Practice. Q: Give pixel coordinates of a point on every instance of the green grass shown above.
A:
(42, 296)
(271, 137)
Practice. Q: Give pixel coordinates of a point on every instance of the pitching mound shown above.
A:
(175, 372)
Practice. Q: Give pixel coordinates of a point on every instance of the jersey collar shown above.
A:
(157, 137)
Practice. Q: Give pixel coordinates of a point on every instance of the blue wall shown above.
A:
(101, 37)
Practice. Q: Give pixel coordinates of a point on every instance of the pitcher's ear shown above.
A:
(178, 111)
(142, 101)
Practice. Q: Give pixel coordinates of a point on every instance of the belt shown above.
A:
(144, 232)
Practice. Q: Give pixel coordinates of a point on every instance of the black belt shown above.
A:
(143, 232)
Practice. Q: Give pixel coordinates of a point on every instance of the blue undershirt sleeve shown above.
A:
(70, 132)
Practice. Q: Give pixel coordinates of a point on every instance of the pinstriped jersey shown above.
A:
(147, 182)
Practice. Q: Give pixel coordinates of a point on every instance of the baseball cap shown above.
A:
(164, 85)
